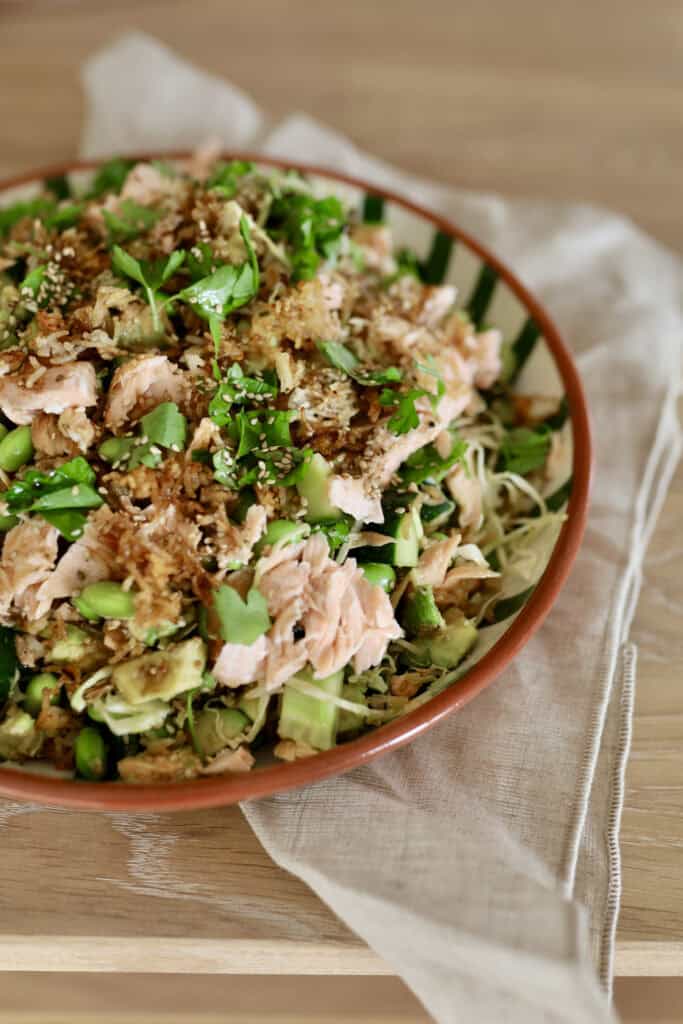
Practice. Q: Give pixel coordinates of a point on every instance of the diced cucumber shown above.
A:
(306, 719)
(215, 727)
(313, 487)
(162, 674)
(419, 612)
(445, 647)
(436, 515)
(402, 549)
(349, 721)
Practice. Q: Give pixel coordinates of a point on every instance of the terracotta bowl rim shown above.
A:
(222, 790)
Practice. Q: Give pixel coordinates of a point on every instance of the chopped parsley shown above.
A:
(151, 275)
(406, 416)
(427, 465)
(342, 358)
(110, 177)
(130, 221)
(225, 177)
(312, 227)
(523, 450)
(165, 426)
(56, 495)
(226, 289)
(236, 388)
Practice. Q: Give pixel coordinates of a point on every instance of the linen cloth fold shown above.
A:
(467, 859)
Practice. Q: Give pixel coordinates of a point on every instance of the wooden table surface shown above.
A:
(573, 100)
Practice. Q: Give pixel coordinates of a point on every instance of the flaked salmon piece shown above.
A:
(88, 560)
(376, 243)
(465, 488)
(361, 496)
(350, 495)
(77, 427)
(434, 561)
(480, 350)
(141, 384)
(379, 627)
(66, 434)
(28, 557)
(334, 291)
(145, 184)
(206, 436)
(71, 386)
(437, 301)
(240, 760)
(467, 571)
(239, 664)
(338, 612)
(160, 766)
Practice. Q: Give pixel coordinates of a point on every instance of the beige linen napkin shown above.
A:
(464, 858)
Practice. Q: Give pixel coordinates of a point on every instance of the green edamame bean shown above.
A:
(116, 448)
(16, 449)
(380, 575)
(33, 695)
(90, 753)
(283, 529)
(105, 600)
(95, 713)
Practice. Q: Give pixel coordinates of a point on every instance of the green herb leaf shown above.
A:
(130, 221)
(200, 261)
(145, 455)
(225, 177)
(241, 622)
(312, 227)
(69, 522)
(32, 282)
(225, 469)
(35, 208)
(523, 450)
(110, 177)
(342, 358)
(165, 426)
(235, 388)
(336, 531)
(427, 464)
(35, 485)
(76, 496)
(406, 416)
(227, 288)
(59, 186)
(127, 265)
(65, 216)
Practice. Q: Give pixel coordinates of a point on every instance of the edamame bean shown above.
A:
(283, 530)
(105, 600)
(16, 449)
(33, 695)
(116, 448)
(90, 753)
(380, 575)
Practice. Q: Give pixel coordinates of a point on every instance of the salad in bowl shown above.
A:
(267, 476)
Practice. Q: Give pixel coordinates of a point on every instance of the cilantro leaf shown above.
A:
(336, 531)
(241, 622)
(56, 495)
(235, 388)
(225, 177)
(523, 450)
(200, 261)
(427, 464)
(338, 355)
(130, 220)
(312, 227)
(32, 283)
(150, 275)
(405, 417)
(110, 177)
(342, 358)
(34, 208)
(165, 426)
(226, 289)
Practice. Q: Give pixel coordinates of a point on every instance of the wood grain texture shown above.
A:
(570, 100)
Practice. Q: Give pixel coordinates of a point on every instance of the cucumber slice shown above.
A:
(307, 719)
(402, 549)
(436, 515)
(313, 487)
(420, 613)
(445, 647)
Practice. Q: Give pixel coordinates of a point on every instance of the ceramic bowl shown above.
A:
(488, 289)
